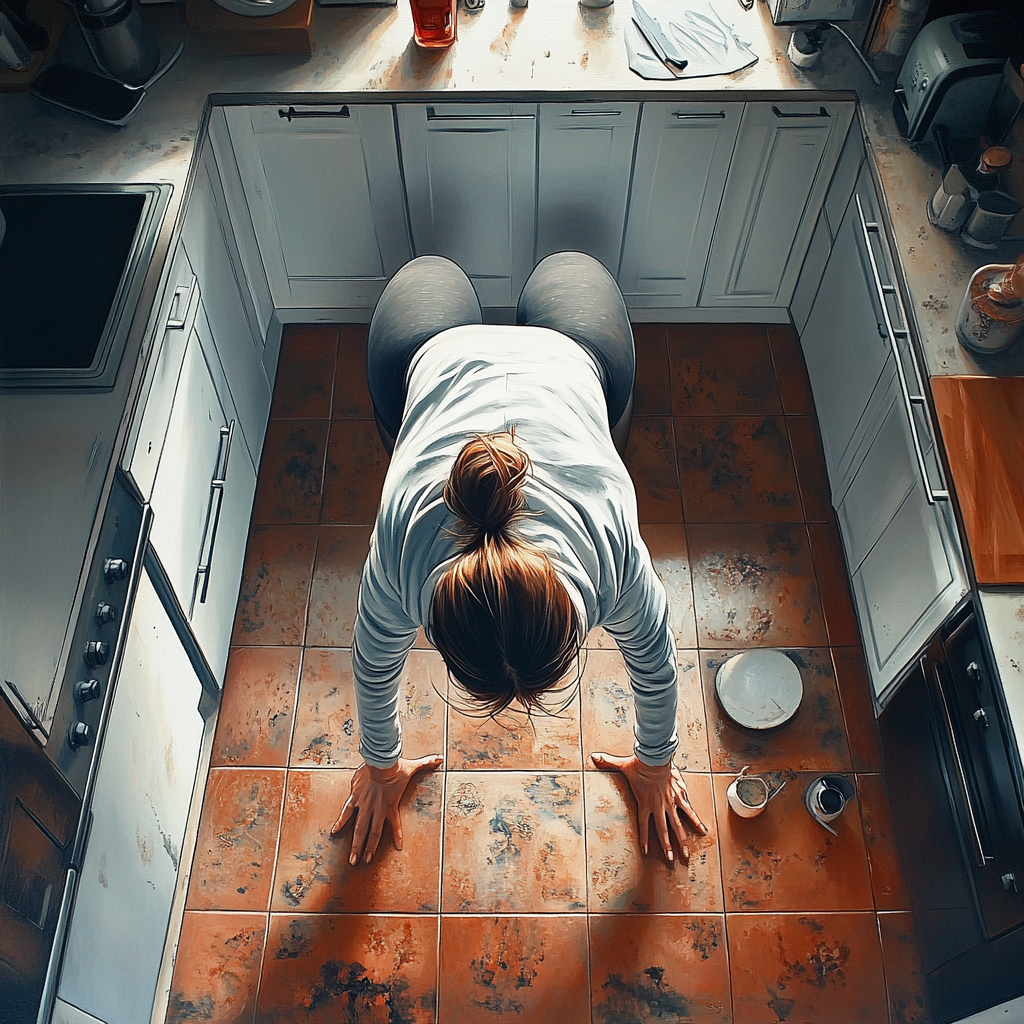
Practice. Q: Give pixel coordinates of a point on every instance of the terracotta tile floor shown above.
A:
(522, 893)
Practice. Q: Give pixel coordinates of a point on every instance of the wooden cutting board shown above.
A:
(982, 424)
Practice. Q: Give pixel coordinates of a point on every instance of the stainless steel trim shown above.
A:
(820, 112)
(979, 848)
(679, 116)
(220, 474)
(25, 714)
(177, 323)
(138, 557)
(909, 400)
(56, 951)
(432, 116)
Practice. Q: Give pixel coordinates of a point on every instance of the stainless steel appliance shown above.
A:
(951, 73)
(952, 771)
(72, 265)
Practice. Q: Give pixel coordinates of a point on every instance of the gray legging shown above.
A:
(568, 292)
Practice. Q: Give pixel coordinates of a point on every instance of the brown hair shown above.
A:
(500, 616)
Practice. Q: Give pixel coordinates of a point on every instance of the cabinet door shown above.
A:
(218, 574)
(324, 190)
(585, 156)
(682, 159)
(210, 245)
(780, 171)
(470, 177)
(844, 343)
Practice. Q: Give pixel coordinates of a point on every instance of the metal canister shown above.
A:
(991, 316)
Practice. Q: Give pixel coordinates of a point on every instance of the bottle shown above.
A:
(991, 316)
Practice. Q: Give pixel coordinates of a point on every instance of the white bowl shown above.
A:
(759, 689)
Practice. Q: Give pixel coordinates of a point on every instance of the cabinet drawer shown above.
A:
(175, 316)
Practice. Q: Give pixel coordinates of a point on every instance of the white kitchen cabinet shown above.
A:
(781, 168)
(202, 497)
(903, 552)
(844, 343)
(470, 177)
(324, 191)
(584, 161)
(682, 160)
(213, 255)
(899, 538)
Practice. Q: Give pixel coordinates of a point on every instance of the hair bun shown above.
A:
(485, 487)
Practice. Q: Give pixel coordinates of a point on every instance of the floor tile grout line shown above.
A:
(440, 859)
(259, 973)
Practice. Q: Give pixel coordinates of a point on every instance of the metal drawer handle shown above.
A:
(595, 113)
(820, 112)
(291, 113)
(909, 400)
(177, 317)
(432, 116)
(220, 474)
(979, 848)
(680, 116)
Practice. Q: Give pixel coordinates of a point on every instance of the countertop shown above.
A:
(550, 47)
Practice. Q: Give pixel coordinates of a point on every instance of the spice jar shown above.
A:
(991, 315)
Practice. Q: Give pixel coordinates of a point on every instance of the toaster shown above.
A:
(951, 73)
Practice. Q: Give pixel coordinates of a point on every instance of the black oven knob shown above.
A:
(114, 569)
(79, 734)
(87, 689)
(105, 613)
(96, 653)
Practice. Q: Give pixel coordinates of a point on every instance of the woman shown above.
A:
(508, 524)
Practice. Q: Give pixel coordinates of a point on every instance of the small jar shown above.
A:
(991, 316)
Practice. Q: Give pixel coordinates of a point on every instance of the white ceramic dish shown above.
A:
(759, 689)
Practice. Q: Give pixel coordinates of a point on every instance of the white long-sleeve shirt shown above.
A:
(480, 380)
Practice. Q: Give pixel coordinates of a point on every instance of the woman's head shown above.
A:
(501, 618)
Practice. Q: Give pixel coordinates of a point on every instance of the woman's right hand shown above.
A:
(374, 799)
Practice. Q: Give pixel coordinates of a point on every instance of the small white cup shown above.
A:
(748, 796)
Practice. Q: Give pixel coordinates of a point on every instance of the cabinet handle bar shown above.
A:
(681, 116)
(432, 116)
(979, 848)
(909, 401)
(595, 113)
(820, 112)
(220, 474)
(291, 113)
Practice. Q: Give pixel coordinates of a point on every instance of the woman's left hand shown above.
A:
(660, 793)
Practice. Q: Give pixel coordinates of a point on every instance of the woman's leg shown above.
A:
(573, 293)
(426, 296)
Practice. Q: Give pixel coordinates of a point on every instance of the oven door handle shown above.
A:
(213, 510)
(980, 856)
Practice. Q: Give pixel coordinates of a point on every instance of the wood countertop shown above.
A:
(982, 424)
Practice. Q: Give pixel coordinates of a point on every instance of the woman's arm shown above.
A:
(384, 633)
(640, 627)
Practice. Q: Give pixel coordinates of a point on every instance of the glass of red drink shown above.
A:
(433, 22)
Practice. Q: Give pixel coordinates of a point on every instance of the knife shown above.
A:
(660, 43)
